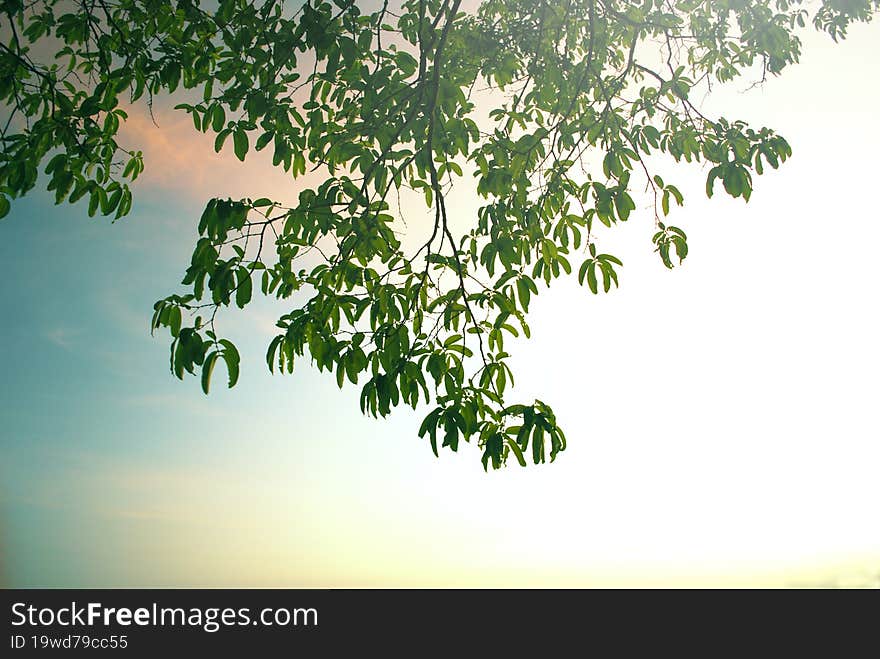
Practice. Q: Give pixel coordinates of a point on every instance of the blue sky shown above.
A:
(722, 418)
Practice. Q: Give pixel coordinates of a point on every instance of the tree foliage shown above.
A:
(552, 111)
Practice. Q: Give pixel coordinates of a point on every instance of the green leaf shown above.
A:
(218, 117)
(220, 139)
(538, 445)
(715, 172)
(175, 318)
(517, 451)
(591, 277)
(245, 288)
(232, 359)
(240, 144)
(208, 370)
(582, 272)
(734, 181)
(522, 289)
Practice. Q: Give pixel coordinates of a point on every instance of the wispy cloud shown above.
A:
(63, 337)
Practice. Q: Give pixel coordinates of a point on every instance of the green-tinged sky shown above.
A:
(722, 418)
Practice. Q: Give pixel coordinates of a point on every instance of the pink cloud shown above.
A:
(180, 160)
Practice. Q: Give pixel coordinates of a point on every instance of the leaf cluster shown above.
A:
(554, 110)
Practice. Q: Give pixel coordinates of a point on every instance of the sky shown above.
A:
(722, 418)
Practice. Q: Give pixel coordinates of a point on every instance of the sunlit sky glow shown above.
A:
(722, 418)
